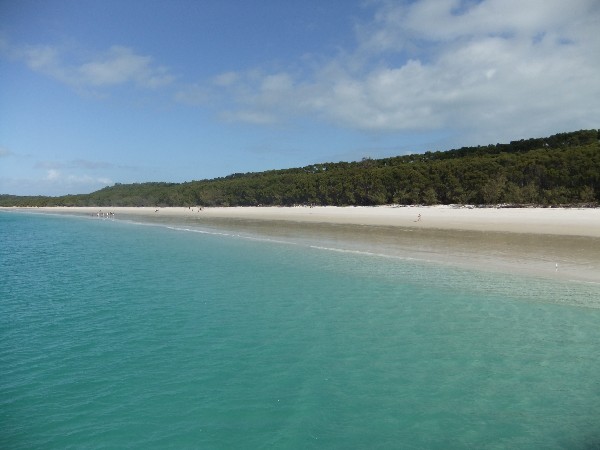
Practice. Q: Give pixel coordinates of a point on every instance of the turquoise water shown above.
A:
(123, 335)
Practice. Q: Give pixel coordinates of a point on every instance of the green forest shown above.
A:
(563, 169)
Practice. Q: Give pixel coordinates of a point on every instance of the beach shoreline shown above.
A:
(558, 243)
(552, 221)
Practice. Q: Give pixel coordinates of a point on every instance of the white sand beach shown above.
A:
(555, 221)
(559, 221)
(553, 242)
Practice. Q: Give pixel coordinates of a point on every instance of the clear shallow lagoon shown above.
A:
(117, 334)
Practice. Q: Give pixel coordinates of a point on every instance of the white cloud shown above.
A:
(53, 175)
(525, 67)
(121, 65)
(116, 66)
(397, 26)
(62, 177)
(42, 58)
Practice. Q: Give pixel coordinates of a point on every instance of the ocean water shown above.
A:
(116, 334)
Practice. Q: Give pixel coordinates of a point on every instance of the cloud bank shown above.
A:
(482, 69)
(527, 66)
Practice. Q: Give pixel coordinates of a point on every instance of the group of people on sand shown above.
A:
(105, 215)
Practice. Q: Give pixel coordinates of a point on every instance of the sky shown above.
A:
(98, 92)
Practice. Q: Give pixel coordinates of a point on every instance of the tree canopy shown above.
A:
(563, 169)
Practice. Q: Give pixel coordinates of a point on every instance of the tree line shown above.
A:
(563, 169)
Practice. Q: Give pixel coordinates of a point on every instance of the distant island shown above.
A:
(560, 170)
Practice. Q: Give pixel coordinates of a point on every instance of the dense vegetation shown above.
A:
(563, 169)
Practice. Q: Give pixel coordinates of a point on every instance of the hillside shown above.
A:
(563, 169)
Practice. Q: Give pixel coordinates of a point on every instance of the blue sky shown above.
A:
(98, 92)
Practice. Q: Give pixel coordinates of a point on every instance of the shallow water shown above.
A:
(117, 334)
(558, 257)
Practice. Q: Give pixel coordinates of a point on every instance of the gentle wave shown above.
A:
(366, 253)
